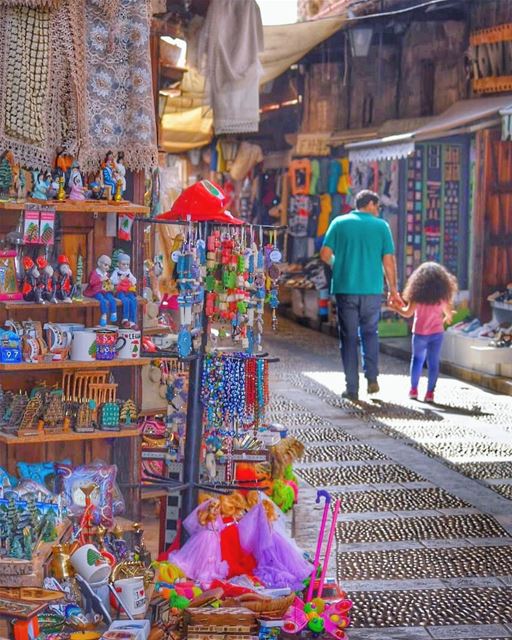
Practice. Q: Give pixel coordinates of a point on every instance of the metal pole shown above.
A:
(194, 430)
(192, 438)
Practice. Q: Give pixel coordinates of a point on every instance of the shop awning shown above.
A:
(396, 138)
(463, 114)
(392, 151)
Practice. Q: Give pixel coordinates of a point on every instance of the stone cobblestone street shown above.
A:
(424, 539)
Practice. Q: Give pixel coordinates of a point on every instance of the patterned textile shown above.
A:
(26, 86)
(80, 83)
(120, 109)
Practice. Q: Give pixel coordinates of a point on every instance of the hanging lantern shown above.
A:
(360, 41)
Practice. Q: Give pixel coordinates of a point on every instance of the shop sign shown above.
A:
(491, 59)
(313, 144)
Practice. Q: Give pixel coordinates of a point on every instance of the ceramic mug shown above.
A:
(130, 349)
(90, 564)
(131, 594)
(107, 344)
(83, 345)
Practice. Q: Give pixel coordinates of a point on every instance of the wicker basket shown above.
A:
(274, 608)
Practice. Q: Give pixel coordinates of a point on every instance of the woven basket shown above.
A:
(266, 606)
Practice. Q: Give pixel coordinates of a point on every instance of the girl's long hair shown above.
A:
(430, 283)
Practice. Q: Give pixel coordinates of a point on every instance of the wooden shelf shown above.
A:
(74, 364)
(79, 206)
(86, 303)
(157, 331)
(71, 436)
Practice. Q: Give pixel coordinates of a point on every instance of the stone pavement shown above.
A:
(423, 542)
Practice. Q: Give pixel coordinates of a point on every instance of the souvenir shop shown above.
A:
(141, 372)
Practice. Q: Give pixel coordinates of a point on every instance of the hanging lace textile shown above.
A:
(76, 74)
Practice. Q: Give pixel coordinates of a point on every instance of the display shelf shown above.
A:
(74, 364)
(157, 331)
(503, 306)
(71, 436)
(78, 206)
(153, 493)
(86, 303)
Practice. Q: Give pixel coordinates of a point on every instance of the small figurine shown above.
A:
(41, 183)
(29, 288)
(63, 162)
(121, 171)
(124, 283)
(6, 173)
(101, 288)
(63, 278)
(77, 191)
(61, 193)
(95, 187)
(46, 282)
(107, 173)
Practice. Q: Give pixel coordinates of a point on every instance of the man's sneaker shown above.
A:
(413, 394)
(348, 395)
(429, 396)
(373, 387)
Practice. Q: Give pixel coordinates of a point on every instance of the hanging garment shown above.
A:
(300, 176)
(325, 213)
(322, 186)
(315, 176)
(247, 157)
(314, 214)
(344, 181)
(228, 47)
(298, 215)
(334, 176)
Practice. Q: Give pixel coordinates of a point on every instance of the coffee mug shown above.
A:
(107, 344)
(131, 594)
(83, 345)
(130, 349)
(90, 564)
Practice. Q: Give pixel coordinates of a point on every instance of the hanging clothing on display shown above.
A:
(344, 181)
(322, 186)
(334, 176)
(247, 157)
(325, 214)
(299, 208)
(315, 177)
(229, 44)
(300, 176)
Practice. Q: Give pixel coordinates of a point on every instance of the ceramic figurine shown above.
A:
(101, 288)
(96, 188)
(31, 275)
(77, 191)
(124, 285)
(40, 185)
(121, 171)
(46, 279)
(63, 280)
(107, 173)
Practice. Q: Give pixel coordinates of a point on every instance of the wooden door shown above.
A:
(492, 268)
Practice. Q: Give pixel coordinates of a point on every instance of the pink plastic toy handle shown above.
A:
(330, 539)
(319, 494)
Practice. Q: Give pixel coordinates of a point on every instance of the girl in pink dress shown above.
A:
(429, 294)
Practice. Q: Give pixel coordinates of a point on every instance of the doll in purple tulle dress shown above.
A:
(280, 561)
(200, 557)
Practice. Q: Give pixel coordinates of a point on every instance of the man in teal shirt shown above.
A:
(359, 247)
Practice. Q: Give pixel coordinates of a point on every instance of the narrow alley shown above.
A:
(424, 535)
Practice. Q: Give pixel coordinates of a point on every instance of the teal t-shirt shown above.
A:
(358, 241)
